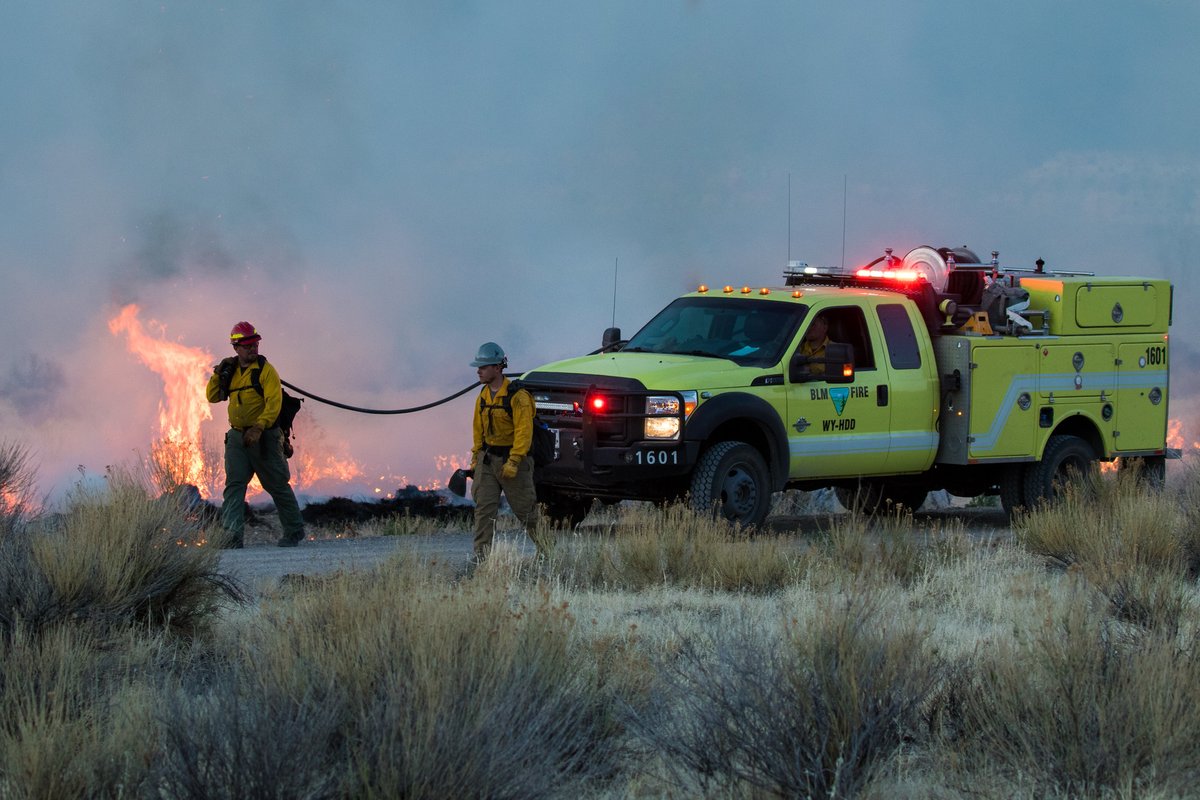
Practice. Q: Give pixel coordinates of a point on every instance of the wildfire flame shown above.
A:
(182, 407)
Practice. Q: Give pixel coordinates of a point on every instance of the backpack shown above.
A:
(541, 447)
(287, 411)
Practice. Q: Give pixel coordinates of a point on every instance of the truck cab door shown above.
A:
(839, 429)
(912, 388)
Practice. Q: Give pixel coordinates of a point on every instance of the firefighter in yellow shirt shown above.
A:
(253, 444)
(502, 431)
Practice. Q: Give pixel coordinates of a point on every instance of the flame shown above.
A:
(182, 407)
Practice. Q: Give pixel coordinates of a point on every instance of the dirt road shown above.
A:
(261, 565)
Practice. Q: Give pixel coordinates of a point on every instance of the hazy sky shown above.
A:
(380, 187)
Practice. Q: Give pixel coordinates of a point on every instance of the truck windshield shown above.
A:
(750, 332)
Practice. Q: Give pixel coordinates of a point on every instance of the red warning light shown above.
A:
(599, 403)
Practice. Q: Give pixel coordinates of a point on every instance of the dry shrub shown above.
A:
(73, 720)
(1127, 539)
(173, 464)
(17, 482)
(676, 546)
(812, 714)
(1185, 491)
(449, 690)
(884, 548)
(239, 741)
(1106, 520)
(116, 556)
(1081, 711)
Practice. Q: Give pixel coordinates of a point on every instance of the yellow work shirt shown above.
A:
(495, 428)
(246, 407)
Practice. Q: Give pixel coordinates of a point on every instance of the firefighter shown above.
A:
(502, 429)
(816, 339)
(253, 445)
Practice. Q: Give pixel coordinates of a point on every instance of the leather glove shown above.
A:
(224, 373)
(252, 435)
(509, 470)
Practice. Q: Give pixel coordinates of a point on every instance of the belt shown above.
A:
(497, 450)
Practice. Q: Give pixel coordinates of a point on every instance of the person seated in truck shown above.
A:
(816, 339)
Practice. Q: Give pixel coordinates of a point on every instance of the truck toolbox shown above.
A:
(1101, 305)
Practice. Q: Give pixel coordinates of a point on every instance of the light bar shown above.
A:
(905, 275)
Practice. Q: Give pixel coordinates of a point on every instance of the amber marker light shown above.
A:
(847, 370)
(728, 289)
(703, 288)
(764, 291)
(797, 294)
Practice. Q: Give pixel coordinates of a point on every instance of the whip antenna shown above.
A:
(616, 262)
(843, 222)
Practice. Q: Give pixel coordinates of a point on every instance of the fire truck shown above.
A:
(935, 370)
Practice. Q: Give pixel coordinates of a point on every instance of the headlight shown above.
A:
(662, 414)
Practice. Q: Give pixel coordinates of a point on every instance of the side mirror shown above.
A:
(836, 367)
(610, 338)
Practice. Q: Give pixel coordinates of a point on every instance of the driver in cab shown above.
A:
(816, 339)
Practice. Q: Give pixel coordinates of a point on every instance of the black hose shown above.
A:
(336, 404)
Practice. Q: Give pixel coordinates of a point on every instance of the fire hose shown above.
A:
(336, 404)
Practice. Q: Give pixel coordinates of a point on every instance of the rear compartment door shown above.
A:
(1140, 405)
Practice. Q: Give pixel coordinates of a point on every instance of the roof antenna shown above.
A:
(789, 258)
(616, 262)
(843, 269)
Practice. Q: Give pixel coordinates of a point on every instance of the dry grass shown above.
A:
(661, 656)
(116, 556)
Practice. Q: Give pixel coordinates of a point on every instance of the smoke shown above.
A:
(381, 187)
(32, 386)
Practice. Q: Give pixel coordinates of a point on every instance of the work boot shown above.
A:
(291, 540)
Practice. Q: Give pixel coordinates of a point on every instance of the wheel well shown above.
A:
(1084, 428)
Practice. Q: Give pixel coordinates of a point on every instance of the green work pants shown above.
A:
(266, 460)
(522, 498)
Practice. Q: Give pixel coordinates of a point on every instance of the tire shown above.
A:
(1065, 458)
(1012, 489)
(874, 497)
(564, 510)
(732, 480)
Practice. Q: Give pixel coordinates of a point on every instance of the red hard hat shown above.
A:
(244, 333)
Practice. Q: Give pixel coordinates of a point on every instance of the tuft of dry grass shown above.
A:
(675, 546)
(116, 556)
(1130, 541)
(1083, 710)
(813, 713)
(17, 481)
(451, 689)
(75, 717)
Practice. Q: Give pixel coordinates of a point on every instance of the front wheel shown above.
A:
(563, 510)
(732, 479)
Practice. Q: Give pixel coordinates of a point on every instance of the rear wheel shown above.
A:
(732, 479)
(1012, 488)
(1066, 458)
